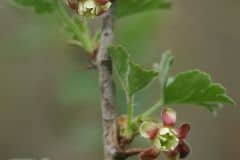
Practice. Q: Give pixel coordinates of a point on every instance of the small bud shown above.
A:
(123, 136)
(183, 131)
(168, 117)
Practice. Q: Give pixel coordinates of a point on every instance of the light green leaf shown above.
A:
(40, 6)
(77, 29)
(163, 68)
(133, 77)
(195, 87)
(130, 7)
(121, 62)
(139, 78)
(79, 33)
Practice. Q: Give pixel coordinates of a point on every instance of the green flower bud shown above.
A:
(92, 8)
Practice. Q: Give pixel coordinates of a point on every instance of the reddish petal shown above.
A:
(153, 133)
(172, 154)
(168, 117)
(102, 2)
(149, 154)
(149, 130)
(183, 149)
(72, 5)
(183, 131)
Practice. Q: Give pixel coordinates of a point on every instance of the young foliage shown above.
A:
(76, 28)
(163, 69)
(79, 33)
(130, 7)
(190, 87)
(133, 77)
(138, 77)
(40, 6)
(195, 87)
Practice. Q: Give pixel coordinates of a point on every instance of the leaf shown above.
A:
(195, 87)
(163, 68)
(121, 62)
(130, 7)
(78, 32)
(77, 29)
(132, 76)
(139, 78)
(40, 6)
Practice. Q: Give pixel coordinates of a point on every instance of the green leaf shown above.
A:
(139, 78)
(76, 28)
(132, 76)
(195, 87)
(163, 68)
(121, 62)
(79, 33)
(130, 7)
(40, 6)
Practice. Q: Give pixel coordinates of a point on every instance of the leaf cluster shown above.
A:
(189, 87)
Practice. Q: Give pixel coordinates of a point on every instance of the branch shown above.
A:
(124, 154)
(104, 66)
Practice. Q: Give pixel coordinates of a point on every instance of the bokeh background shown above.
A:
(49, 105)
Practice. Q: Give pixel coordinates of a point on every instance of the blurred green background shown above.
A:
(50, 105)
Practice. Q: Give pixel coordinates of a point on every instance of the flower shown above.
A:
(182, 148)
(89, 8)
(165, 137)
(168, 117)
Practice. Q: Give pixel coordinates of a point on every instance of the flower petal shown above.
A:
(183, 149)
(173, 154)
(72, 5)
(183, 131)
(102, 2)
(149, 130)
(169, 117)
(150, 154)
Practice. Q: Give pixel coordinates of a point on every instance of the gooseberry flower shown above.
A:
(89, 8)
(164, 136)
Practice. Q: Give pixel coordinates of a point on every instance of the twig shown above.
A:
(124, 154)
(104, 66)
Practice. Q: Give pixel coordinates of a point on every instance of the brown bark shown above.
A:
(104, 66)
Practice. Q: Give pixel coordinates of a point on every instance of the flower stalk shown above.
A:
(130, 110)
